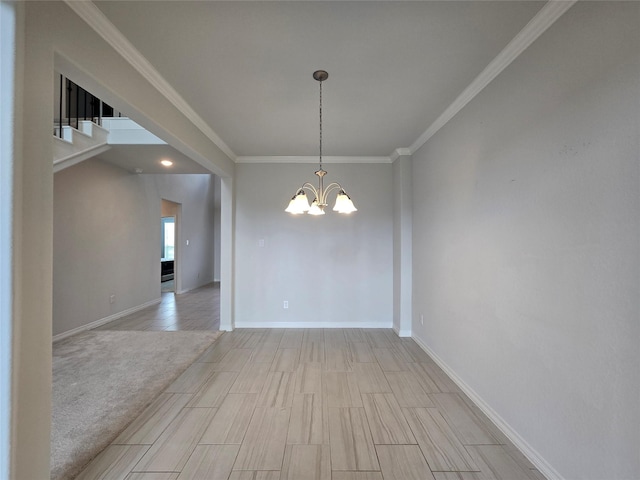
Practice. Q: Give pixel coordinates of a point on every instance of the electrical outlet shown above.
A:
(421, 319)
(285, 304)
(112, 299)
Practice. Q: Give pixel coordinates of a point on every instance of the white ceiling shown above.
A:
(147, 159)
(245, 67)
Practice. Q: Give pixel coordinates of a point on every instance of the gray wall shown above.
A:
(334, 270)
(196, 194)
(217, 227)
(554, 349)
(107, 239)
(51, 33)
(525, 247)
(402, 237)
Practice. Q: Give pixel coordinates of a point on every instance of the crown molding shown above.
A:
(547, 15)
(311, 159)
(97, 20)
(400, 152)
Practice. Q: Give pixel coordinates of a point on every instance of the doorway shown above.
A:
(169, 246)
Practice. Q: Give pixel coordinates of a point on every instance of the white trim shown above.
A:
(311, 159)
(227, 253)
(400, 152)
(534, 457)
(241, 324)
(102, 321)
(547, 15)
(187, 290)
(108, 31)
(87, 128)
(78, 157)
(401, 333)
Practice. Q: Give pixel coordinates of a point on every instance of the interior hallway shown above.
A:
(337, 404)
(198, 309)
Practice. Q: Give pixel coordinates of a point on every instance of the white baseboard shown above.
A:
(102, 321)
(186, 290)
(534, 457)
(240, 324)
(194, 288)
(400, 332)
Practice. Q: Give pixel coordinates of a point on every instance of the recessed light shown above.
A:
(166, 163)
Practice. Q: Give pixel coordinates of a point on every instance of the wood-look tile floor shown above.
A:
(298, 404)
(195, 310)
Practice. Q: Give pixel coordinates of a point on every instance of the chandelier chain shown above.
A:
(299, 202)
(320, 125)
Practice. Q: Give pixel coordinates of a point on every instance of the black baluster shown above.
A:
(77, 104)
(69, 89)
(60, 110)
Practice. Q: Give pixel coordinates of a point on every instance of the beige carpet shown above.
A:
(102, 380)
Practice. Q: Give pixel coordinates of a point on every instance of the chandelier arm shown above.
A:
(331, 187)
(311, 188)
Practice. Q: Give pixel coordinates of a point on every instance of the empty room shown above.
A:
(402, 239)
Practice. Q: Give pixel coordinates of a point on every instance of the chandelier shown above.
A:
(299, 203)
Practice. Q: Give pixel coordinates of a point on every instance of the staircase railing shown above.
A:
(75, 104)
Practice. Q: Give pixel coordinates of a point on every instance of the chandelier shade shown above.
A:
(299, 203)
(344, 203)
(315, 209)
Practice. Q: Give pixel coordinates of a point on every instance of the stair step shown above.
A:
(89, 139)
